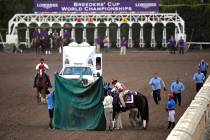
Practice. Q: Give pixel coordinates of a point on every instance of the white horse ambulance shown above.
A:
(81, 60)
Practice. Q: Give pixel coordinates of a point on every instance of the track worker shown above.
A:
(124, 45)
(171, 111)
(203, 66)
(172, 45)
(181, 45)
(199, 79)
(51, 105)
(156, 83)
(177, 88)
(108, 111)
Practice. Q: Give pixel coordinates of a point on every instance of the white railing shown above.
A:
(194, 124)
(199, 44)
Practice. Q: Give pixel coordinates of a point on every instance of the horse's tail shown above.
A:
(146, 110)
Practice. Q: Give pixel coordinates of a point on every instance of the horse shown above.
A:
(36, 44)
(140, 103)
(57, 43)
(45, 45)
(41, 86)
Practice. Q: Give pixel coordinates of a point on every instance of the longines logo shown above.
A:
(145, 5)
(47, 5)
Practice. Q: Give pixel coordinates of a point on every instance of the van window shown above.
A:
(77, 71)
(98, 63)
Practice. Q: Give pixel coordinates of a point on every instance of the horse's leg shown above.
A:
(38, 97)
(43, 95)
(131, 117)
(44, 98)
(144, 121)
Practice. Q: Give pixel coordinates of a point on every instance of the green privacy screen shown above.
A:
(78, 107)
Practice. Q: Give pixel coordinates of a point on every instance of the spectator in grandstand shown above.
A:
(156, 83)
(199, 79)
(181, 45)
(203, 66)
(172, 45)
(177, 88)
(51, 104)
(106, 43)
(124, 45)
(171, 111)
(108, 110)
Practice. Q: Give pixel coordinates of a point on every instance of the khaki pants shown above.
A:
(123, 50)
(108, 115)
(121, 99)
(97, 48)
(119, 121)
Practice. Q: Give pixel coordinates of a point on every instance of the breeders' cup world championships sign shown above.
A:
(93, 6)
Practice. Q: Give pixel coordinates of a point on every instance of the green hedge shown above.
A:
(196, 17)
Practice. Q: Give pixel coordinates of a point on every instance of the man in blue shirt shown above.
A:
(51, 104)
(177, 88)
(203, 66)
(171, 111)
(199, 79)
(156, 83)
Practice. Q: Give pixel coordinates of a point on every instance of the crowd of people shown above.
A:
(175, 95)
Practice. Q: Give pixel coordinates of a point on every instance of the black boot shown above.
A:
(169, 125)
(34, 86)
(173, 125)
(50, 126)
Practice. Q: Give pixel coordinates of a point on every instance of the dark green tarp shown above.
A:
(78, 107)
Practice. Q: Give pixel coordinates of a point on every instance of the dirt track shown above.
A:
(21, 118)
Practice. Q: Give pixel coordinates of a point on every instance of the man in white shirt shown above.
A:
(108, 111)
